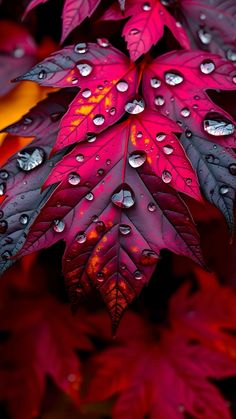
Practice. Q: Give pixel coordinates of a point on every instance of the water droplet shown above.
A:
(98, 120)
(42, 75)
(146, 7)
(27, 120)
(100, 276)
(207, 67)
(91, 137)
(188, 134)
(122, 86)
(73, 179)
(4, 174)
(139, 134)
(108, 162)
(3, 226)
(173, 78)
(185, 112)
(134, 31)
(204, 36)
(138, 275)
(86, 93)
(112, 111)
(217, 125)
(231, 55)
(81, 48)
(58, 226)
(18, 52)
(155, 83)
(148, 257)
(159, 100)
(137, 159)
(100, 172)
(94, 218)
(30, 158)
(103, 42)
(160, 136)
(79, 157)
(24, 219)
(6, 255)
(2, 189)
(166, 176)
(151, 207)
(234, 79)
(168, 149)
(124, 229)
(188, 181)
(210, 158)
(81, 237)
(84, 69)
(100, 227)
(123, 196)
(232, 169)
(74, 80)
(202, 16)
(224, 190)
(135, 107)
(89, 196)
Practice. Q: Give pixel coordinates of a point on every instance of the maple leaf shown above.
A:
(24, 173)
(141, 369)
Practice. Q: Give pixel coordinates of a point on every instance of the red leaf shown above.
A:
(146, 25)
(142, 369)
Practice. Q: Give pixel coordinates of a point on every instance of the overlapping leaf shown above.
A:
(196, 347)
(146, 25)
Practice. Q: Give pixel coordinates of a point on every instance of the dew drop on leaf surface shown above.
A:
(73, 179)
(81, 48)
(148, 257)
(207, 67)
(81, 237)
(123, 196)
(124, 229)
(24, 219)
(122, 86)
(204, 36)
(137, 159)
(155, 83)
(217, 125)
(173, 78)
(135, 106)
(84, 69)
(166, 176)
(30, 158)
(58, 226)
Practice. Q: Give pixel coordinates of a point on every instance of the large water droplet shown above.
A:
(168, 149)
(173, 78)
(123, 196)
(58, 226)
(204, 36)
(232, 169)
(2, 189)
(74, 179)
(155, 83)
(81, 237)
(122, 86)
(217, 125)
(148, 257)
(137, 159)
(166, 176)
(84, 69)
(24, 219)
(185, 112)
(207, 67)
(160, 136)
(30, 158)
(3, 226)
(135, 107)
(86, 93)
(224, 190)
(124, 229)
(81, 48)
(98, 120)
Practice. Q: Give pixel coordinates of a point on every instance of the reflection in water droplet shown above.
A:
(112, 111)
(81, 48)
(168, 149)
(173, 78)
(151, 207)
(207, 67)
(30, 158)
(148, 257)
(232, 169)
(146, 7)
(160, 136)
(124, 229)
(86, 93)
(123, 196)
(73, 179)
(81, 237)
(217, 125)
(138, 275)
(135, 107)
(155, 83)
(224, 190)
(24, 219)
(166, 176)
(3, 226)
(84, 69)
(122, 86)
(79, 157)
(159, 101)
(98, 120)
(204, 36)
(89, 196)
(42, 75)
(185, 112)
(137, 159)
(91, 137)
(58, 226)
(103, 42)
(2, 189)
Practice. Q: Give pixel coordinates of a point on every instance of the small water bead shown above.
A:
(217, 125)
(91, 137)
(103, 42)
(81, 48)
(166, 176)
(137, 159)
(232, 169)
(100, 172)
(173, 78)
(100, 227)
(188, 181)
(97, 157)
(94, 218)
(159, 101)
(2, 189)
(134, 31)
(122, 86)
(112, 111)
(185, 112)
(138, 275)
(146, 7)
(42, 75)
(124, 229)
(151, 207)
(202, 16)
(139, 134)
(86, 93)
(123, 196)
(81, 237)
(135, 107)
(98, 120)
(3, 226)
(100, 276)
(24, 219)
(79, 158)
(27, 120)
(160, 136)
(100, 87)
(89, 196)
(73, 179)
(224, 190)
(74, 80)
(168, 149)
(234, 79)
(188, 134)
(148, 257)
(108, 162)
(6, 255)
(30, 158)
(210, 158)
(18, 52)
(155, 83)
(58, 226)
(207, 67)
(231, 55)
(4, 174)
(84, 69)
(204, 36)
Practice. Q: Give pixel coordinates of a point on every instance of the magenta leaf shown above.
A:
(32, 4)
